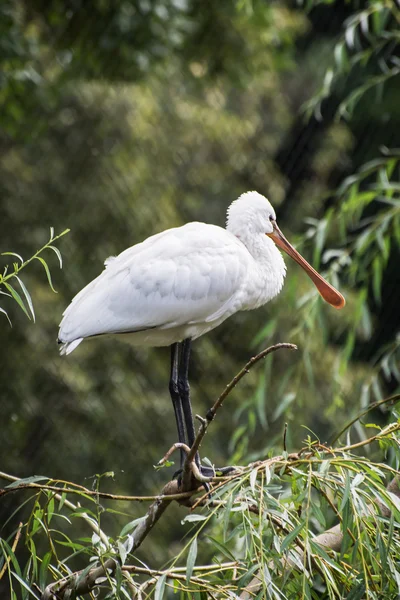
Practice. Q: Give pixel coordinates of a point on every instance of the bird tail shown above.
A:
(68, 347)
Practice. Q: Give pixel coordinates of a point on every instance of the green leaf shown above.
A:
(5, 313)
(227, 515)
(285, 402)
(346, 494)
(33, 479)
(7, 550)
(44, 570)
(265, 333)
(27, 296)
(357, 592)
(46, 268)
(17, 298)
(319, 514)
(131, 525)
(13, 254)
(122, 552)
(192, 518)
(377, 278)
(24, 585)
(58, 253)
(223, 549)
(291, 536)
(191, 559)
(245, 579)
(160, 587)
(253, 479)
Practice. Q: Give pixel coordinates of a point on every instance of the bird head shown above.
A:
(253, 213)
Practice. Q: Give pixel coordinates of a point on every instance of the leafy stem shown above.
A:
(25, 301)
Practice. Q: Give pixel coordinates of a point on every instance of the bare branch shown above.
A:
(254, 360)
(204, 423)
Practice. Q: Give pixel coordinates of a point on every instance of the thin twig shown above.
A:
(391, 429)
(86, 492)
(204, 423)
(176, 446)
(179, 573)
(89, 520)
(255, 359)
(394, 399)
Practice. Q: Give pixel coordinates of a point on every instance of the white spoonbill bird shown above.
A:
(177, 285)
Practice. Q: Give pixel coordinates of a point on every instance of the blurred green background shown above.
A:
(122, 118)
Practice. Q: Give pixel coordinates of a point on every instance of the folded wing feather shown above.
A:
(184, 275)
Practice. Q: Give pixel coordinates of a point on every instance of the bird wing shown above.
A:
(186, 275)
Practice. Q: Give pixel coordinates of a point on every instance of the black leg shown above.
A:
(175, 397)
(184, 392)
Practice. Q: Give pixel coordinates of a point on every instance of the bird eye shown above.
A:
(271, 218)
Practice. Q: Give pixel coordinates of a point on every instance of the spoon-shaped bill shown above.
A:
(327, 291)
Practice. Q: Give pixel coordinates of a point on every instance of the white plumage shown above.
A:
(185, 281)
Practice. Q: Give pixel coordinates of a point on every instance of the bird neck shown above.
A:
(269, 263)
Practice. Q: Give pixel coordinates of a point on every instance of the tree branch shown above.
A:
(83, 582)
(204, 423)
(80, 583)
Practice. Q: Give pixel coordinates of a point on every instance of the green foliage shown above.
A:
(369, 46)
(25, 301)
(266, 527)
(200, 109)
(353, 241)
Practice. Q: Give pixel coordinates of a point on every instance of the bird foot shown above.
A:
(215, 471)
(208, 472)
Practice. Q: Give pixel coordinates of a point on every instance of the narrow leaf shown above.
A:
(33, 479)
(13, 254)
(46, 268)
(58, 253)
(131, 525)
(346, 493)
(44, 570)
(27, 296)
(253, 479)
(24, 585)
(160, 587)
(291, 536)
(227, 515)
(245, 579)
(191, 518)
(5, 313)
(122, 552)
(17, 298)
(191, 559)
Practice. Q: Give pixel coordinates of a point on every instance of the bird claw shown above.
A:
(206, 472)
(215, 471)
